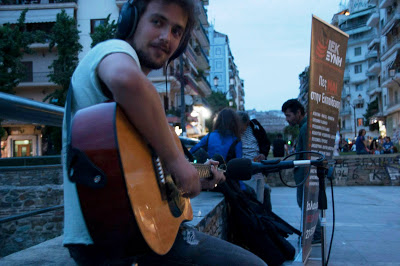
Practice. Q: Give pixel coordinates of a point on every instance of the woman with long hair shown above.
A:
(224, 140)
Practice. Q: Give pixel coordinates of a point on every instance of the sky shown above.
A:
(270, 43)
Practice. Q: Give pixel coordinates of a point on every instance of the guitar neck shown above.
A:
(203, 170)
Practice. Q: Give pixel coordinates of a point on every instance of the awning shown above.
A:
(33, 15)
(25, 110)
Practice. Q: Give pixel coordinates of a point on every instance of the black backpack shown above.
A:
(253, 227)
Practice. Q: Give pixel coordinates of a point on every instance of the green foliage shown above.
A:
(291, 131)
(103, 32)
(66, 36)
(372, 109)
(14, 42)
(217, 102)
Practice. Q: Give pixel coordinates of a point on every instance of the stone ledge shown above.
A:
(208, 210)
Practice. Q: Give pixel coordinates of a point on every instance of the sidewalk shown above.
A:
(367, 228)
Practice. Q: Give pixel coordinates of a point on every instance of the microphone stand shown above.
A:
(322, 205)
(323, 172)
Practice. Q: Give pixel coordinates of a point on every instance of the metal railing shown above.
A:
(28, 214)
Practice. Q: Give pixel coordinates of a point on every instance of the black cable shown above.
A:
(322, 157)
(333, 223)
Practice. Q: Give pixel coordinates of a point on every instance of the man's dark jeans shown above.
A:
(191, 247)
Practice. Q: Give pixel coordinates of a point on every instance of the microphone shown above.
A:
(243, 168)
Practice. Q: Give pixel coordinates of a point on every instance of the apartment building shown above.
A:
(358, 77)
(386, 22)
(224, 74)
(25, 139)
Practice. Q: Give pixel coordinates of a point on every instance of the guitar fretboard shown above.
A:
(203, 170)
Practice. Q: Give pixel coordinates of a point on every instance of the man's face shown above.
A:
(158, 34)
(293, 118)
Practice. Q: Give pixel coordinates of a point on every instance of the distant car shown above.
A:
(188, 142)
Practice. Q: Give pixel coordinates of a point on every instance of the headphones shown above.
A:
(127, 23)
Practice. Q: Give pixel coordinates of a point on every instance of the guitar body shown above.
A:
(133, 208)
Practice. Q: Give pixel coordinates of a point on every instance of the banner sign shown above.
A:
(327, 64)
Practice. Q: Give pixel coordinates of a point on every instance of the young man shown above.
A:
(295, 115)
(117, 69)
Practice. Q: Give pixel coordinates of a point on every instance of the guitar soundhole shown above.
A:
(175, 202)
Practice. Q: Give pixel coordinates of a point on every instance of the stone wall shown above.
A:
(26, 189)
(215, 222)
(355, 170)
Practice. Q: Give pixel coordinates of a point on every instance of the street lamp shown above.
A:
(392, 74)
(216, 82)
(354, 114)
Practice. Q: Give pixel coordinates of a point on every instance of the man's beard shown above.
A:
(146, 61)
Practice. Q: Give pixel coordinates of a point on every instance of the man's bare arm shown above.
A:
(140, 101)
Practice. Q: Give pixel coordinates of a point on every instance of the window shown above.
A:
(359, 87)
(344, 124)
(22, 148)
(396, 97)
(357, 51)
(358, 68)
(360, 122)
(28, 72)
(360, 105)
(95, 23)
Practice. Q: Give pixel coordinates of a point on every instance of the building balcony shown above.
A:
(35, 79)
(392, 107)
(34, 2)
(345, 111)
(202, 14)
(201, 35)
(385, 3)
(374, 66)
(204, 85)
(391, 20)
(364, 38)
(346, 130)
(371, 54)
(38, 13)
(374, 42)
(201, 57)
(374, 89)
(390, 81)
(373, 20)
(346, 76)
(392, 48)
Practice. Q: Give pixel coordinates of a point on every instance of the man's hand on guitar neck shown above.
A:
(185, 176)
(218, 176)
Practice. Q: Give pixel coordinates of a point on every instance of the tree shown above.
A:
(103, 32)
(14, 42)
(66, 36)
(217, 101)
(291, 131)
(372, 109)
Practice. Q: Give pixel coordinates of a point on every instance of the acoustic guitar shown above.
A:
(139, 202)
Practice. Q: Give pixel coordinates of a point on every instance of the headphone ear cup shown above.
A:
(127, 20)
